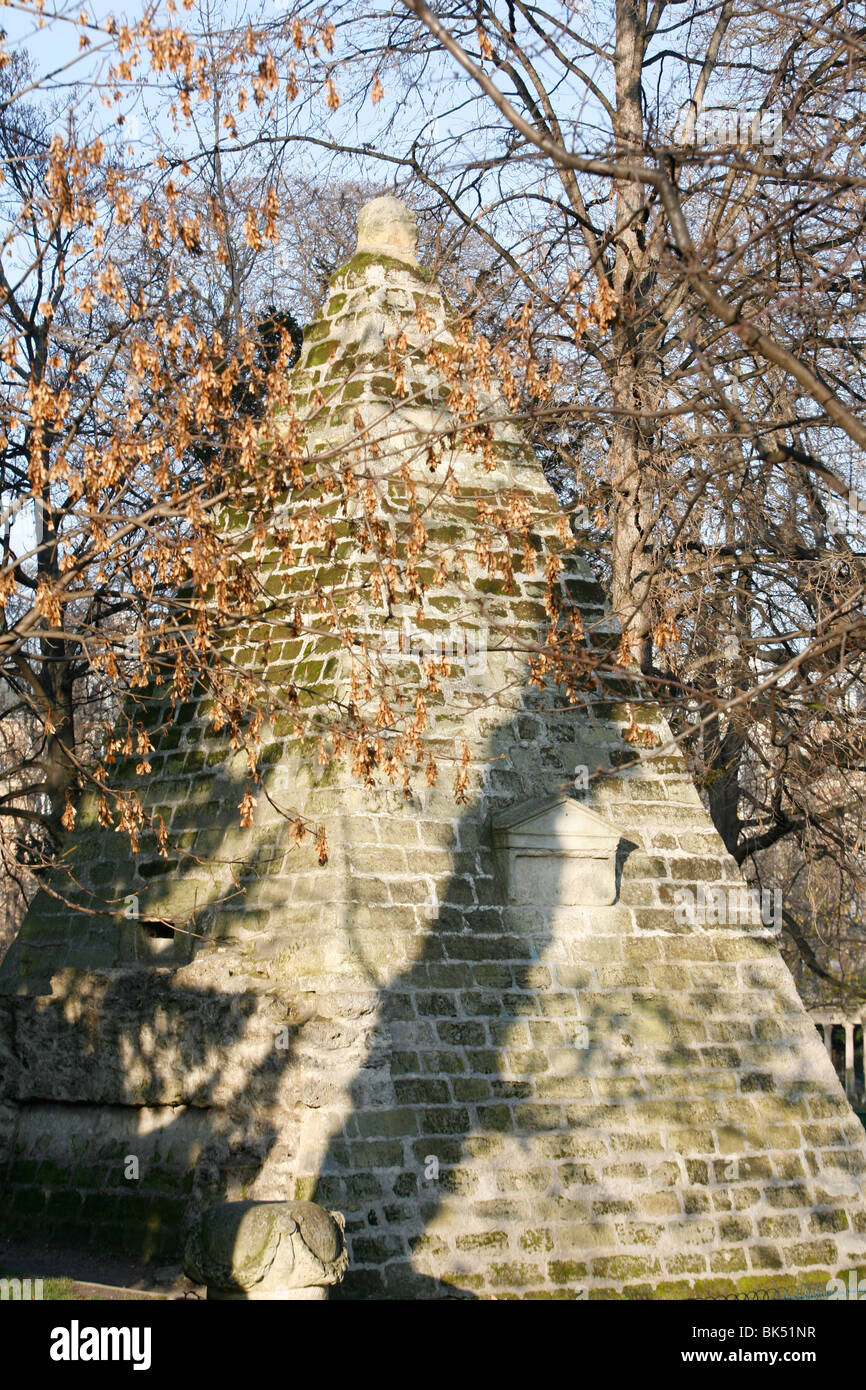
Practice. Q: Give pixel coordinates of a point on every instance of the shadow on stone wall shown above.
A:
(180, 1069)
(497, 1067)
(563, 1105)
(537, 1105)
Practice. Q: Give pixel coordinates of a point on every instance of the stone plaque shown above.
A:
(556, 852)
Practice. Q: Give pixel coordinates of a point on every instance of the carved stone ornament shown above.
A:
(266, 1250)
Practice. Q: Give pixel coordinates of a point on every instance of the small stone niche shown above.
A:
(158, 937)
(555, 852)
(150, 939)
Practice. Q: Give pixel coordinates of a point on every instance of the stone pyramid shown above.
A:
(491, 1033)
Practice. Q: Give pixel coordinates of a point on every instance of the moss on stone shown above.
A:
(351, 273)
(566, 1271)
(320, 354)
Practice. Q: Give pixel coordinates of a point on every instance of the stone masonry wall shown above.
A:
(71, 1181)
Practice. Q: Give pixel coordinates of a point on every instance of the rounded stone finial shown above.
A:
(386, 225)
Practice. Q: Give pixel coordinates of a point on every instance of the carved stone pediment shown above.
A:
(556, 852)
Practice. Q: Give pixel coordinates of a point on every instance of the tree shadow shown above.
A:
(455, 1096)
(554, 1099)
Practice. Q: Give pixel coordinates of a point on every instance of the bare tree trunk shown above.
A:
(632, 519)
